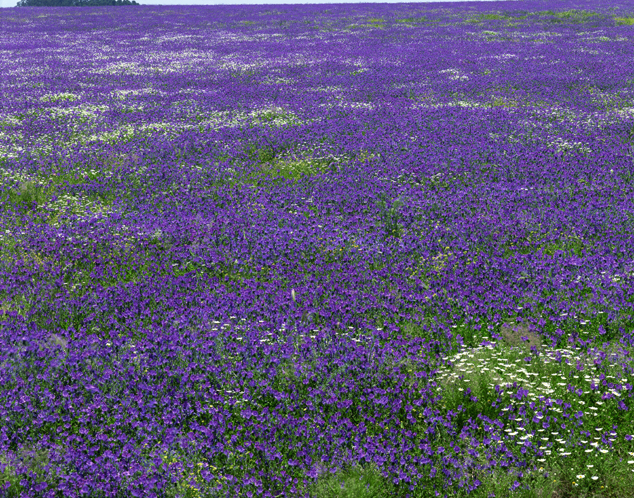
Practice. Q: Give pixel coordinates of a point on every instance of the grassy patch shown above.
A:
(624, 21)
(276, 164)
(500, 102)
(352, 481)
(60, 193)
(535, 240)
(415, 20)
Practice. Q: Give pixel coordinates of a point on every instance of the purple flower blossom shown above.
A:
(238, 268)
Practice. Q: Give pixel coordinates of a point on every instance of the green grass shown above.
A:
(624, 21)
(272, 166)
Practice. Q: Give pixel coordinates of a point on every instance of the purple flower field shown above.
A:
(353, 250)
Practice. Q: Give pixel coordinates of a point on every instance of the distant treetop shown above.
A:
(73, 3)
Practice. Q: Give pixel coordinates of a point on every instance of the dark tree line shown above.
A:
(73, 3)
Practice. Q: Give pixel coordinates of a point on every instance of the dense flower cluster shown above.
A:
(244, 247)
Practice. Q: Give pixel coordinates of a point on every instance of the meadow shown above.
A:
(325, 251)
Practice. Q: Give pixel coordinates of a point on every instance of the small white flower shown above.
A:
(594, 478)
(589, 466)
(580, 476)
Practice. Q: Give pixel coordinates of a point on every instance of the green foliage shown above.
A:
(390, 216)
(575, 15)
(353, 481)
(29, 194)
(480, 401)
(493, 17)
(375, 23)
(266, 154)
(536, 240)
(624, 21)
(499, 482)
(499, 102)
(33, 459)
